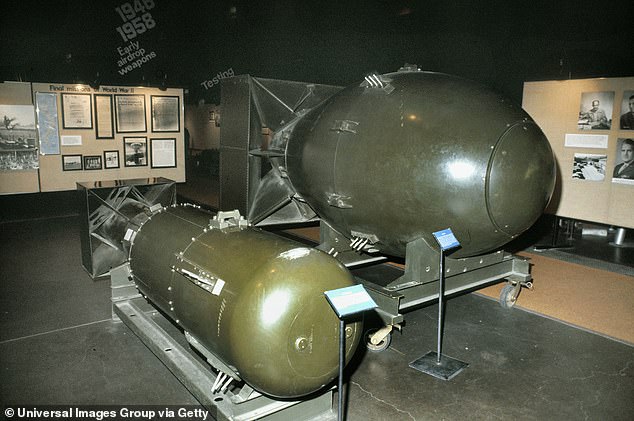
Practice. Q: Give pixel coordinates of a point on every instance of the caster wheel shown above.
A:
(508, 295)
(381, 346)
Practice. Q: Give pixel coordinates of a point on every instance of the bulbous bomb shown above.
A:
(420, 152)
(253, 299)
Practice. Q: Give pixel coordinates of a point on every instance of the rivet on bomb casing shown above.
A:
(301, 343)
(348, 332)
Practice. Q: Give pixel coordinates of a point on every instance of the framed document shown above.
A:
(47, 122)
(165, 111)
(130, 113)
(92, 162)
(163, 153)
(135, 151)
(77, 111)
(103, 117)
(110, 159)
(71, 162)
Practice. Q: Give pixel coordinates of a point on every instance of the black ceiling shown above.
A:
(336, 42)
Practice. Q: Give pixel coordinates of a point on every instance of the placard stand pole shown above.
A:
(346, 302)
(342, 362)
(434, 363)
(441, 291)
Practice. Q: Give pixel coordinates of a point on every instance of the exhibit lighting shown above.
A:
(460, 170)
(274, 307)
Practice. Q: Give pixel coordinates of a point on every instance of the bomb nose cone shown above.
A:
(520, 178)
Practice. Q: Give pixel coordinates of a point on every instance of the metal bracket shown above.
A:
(376, 81)
(339, 201)
(226, 219)
(348, 126)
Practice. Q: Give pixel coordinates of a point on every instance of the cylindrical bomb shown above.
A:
(253, 299)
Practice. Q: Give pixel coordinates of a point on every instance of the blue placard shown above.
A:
(445, 239)
(350, 300)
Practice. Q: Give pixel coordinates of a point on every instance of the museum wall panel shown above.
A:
(583, 122)
(55, 135)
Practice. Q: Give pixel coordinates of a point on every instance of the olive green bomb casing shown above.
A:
(405, 154)
(254, 300)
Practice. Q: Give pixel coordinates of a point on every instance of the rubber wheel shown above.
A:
(381, 346)
(507, 296)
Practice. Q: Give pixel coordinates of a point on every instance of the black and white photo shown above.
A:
(111, 159)
(135, 151)
(623, 172)
(130, 113)
(19, 160)
(71, 162)
(77, 111)
(626, 120)
(595, 110)
(589, 167)
(165, 111)
(92, 162)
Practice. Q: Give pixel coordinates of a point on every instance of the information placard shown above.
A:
(446, 239)
(350, 300)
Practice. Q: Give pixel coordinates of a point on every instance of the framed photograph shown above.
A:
(71, 163)
(130, 113)
(595, 110)
(103, 116)
(77, 111)
(589, 167)
(92, 162)
(110, 159)
(626, 120)
(135, 151)
(163, 153)
(165, 111)
(623, 172)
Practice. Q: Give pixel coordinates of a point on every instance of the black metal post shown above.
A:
(441, 289)
(342, 349)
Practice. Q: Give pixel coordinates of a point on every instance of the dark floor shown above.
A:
(58, 345)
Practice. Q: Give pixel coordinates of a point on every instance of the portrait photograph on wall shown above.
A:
(71, 162)
(595, 110)
(77, 111)
(165, 111)
(626, 119)
(589, 167)
(135, 151)
(18, 141)
(623, 172)
(111, 159)
(130, 113)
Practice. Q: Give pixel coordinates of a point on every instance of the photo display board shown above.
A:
(590, 126)
(108, 133)
(19, 148)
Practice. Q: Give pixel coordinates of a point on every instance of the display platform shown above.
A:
(59, 345)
